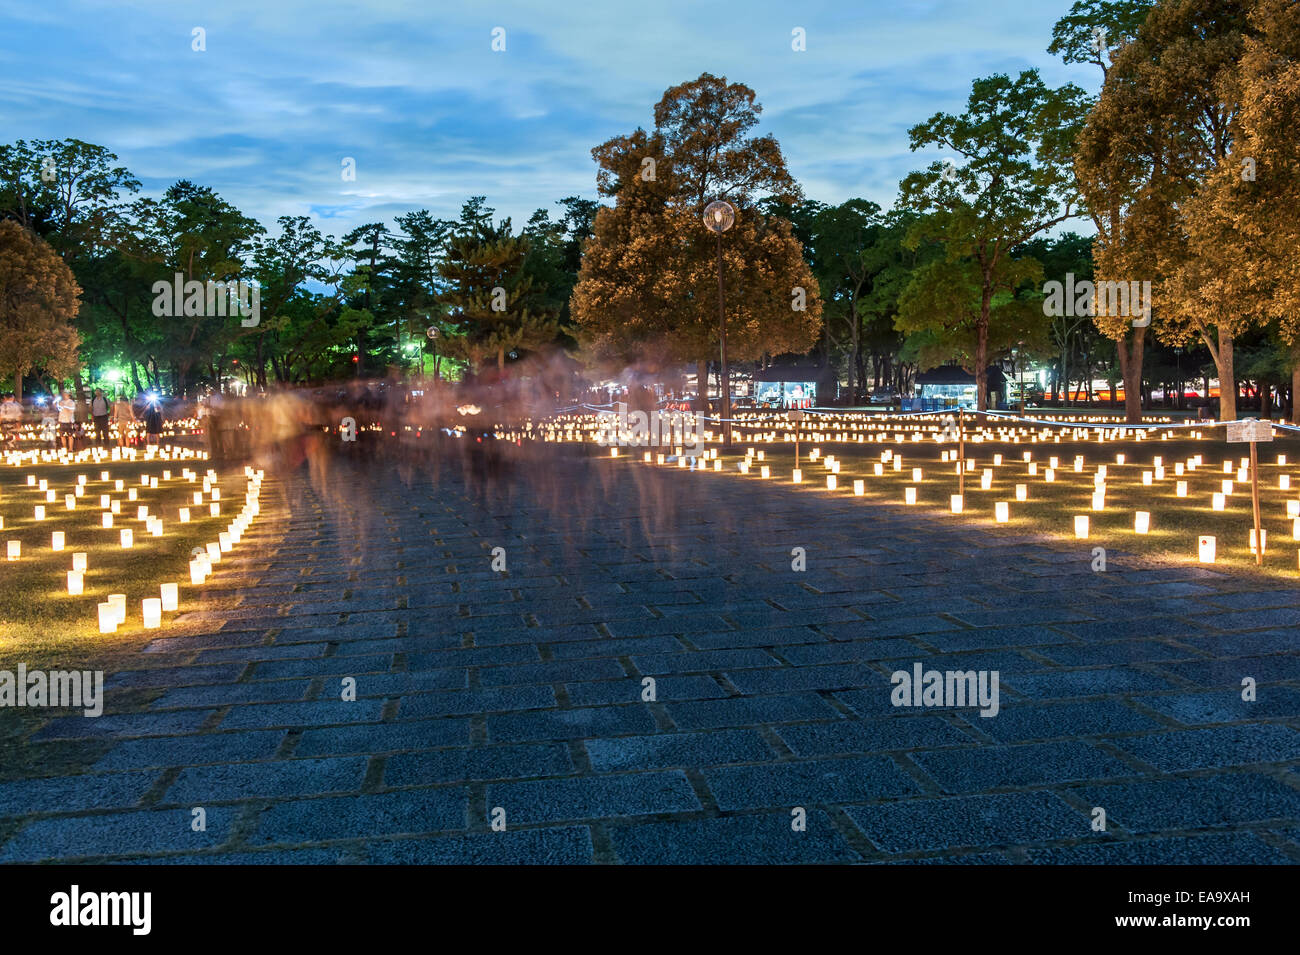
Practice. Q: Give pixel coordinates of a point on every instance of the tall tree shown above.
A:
(38, 302)
(1014, 141)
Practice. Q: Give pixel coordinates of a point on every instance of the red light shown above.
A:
(355, 359)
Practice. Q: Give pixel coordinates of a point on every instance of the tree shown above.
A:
(1094, 30)
(491, 301)
(1015, 139)
(1165, 122)
(39, 299)
(647, 291)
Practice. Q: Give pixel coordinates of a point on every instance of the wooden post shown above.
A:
(1254, 499)
(961, 453)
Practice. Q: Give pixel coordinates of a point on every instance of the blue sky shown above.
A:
(285, 90)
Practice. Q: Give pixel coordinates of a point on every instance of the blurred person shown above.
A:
(11, 419)
(67, 414)
(123, 419)
(99, 413)
(153, 419)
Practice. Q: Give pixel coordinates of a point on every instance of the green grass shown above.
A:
(39, 620)
(1176, 523)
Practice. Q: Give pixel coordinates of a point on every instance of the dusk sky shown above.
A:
(413, 91)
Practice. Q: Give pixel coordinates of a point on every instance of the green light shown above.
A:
(112, 376)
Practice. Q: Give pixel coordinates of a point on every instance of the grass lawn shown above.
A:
(1176, 524)
(39, 620)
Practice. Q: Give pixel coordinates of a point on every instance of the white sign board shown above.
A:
(1249, 430)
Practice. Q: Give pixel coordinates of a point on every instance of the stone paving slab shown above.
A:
(649, 681)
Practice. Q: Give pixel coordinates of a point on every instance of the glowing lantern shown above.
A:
(1081, 525)
(185, 515)
(56, 540)
(75, 583)
(214, 553)
(118, 603)
(1205, 546)
(40, 512)
(15, 550)
(1142, 522)
(1263, 537)
(797, 476)
(170, 597)
(859, 488)
(1217, 501)
(1001, 512)
(79, 561)
(1180, 489)
(830, 482)
(1146, 478)
(214, 509)
(957, 503)
(127, 537)
(70, 502)
(151, 611)
(1284, 482)
(1022, 492)
(909, 495)
(107, 618)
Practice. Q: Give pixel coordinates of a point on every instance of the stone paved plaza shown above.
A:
(477, 689)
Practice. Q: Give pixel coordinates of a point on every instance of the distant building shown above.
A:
(951, 386)
(793, 386)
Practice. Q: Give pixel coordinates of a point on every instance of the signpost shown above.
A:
(1253, 431)
(795, 417)
(961, 454)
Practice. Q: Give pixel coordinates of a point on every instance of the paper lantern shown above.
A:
(185, 515)
(56, 540)
(1002, 512)
(1205, 548)
(1263, 537)
(830, 482)
(859, 488)
(1022, 492)
(40, 512)
(118, 603)
(198, 498)
(1033, 468)
(1119, 459)
(879, 469)
(79, 561)
(1049, 475)
(1217, 501)
(909, 495)
(1180, 489)
(1081, 525)
(170, 597)
(155, 527)
(214, 509)
(128, 537)
(717, 465)
(107, 618)
(797, 476)
(142, 512)
(957, 503)
(196, 572)
(1284, 482)
(1146, 478)
(70, 502)
(1142, 522)
(131, 495)
(1099, 500)
(76, 583)
(107, 519)
(115, 507)
(151, 611)
(14, 550)
(214, 553)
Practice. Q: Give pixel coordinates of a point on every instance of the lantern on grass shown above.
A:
(128, 538)
(170, 597)
(1142, 522)
(1180, 489)
(957, 503)
(859, 488)
(56, 540)
(196, 572)
(1205, 548)
(214, 509)
(1284, 482)
(118, 603)
(70, 502)
(1263, 539)
(214, 553)
(1022, 492)
(76, 584)
(79, 561)
(909, 495)
(40, 512)
(797, 476)
(151, 611)
(14, 550)
(107, 618)
(831, 482)
(1081, 526)
(1001, 512)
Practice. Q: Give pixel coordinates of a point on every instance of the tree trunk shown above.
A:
(1295, 387)
(702, 386)
(982, 349)
(1130, 351)
(1227, 378)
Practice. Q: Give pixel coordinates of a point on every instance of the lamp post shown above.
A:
(719, 216)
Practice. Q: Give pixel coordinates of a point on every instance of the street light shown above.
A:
(719, 216)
